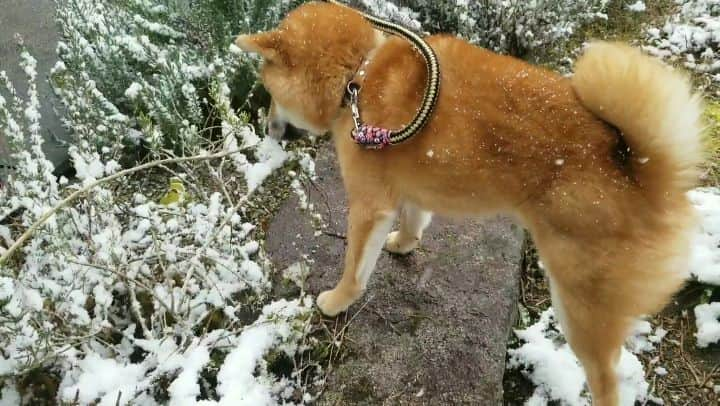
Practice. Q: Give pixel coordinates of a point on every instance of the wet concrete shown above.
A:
(433, 326)
(34, 20)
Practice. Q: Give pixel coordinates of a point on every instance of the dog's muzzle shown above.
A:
(276, 128)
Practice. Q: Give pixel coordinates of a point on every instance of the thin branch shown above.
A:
(135, 306)
(29, 232)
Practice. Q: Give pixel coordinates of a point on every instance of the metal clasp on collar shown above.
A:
(354, 92)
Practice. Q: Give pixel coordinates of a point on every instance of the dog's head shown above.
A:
(307, 62)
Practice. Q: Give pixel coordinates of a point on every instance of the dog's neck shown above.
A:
(357, 73)
(379, 40)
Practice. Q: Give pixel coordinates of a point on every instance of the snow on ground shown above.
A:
(547, 360)
(708, 327)
(705, 261)
(705, 258)
(691, 37)
(638, 6)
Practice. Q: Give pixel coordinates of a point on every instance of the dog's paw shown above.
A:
(331, 302)
(398, 244)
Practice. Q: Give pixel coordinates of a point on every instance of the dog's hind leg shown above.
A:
(596, 336)
(368, 227)
(413, 221)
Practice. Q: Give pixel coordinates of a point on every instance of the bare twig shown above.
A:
(135, 306)
(29, 232)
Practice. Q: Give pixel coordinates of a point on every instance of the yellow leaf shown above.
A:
(175, 193)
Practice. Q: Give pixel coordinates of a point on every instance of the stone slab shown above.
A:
(432, 327)
(34, 20)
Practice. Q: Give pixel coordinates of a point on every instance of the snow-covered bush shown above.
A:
(691, 36)
(391, 12)
(120, 298)
(509, 26)
(158, 64)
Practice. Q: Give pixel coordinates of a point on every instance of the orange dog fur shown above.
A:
(595, 166)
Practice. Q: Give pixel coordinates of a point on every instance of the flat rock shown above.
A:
(34, 20)
(433, 326)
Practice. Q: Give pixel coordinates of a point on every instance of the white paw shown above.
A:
(331, 303)
(398, 244)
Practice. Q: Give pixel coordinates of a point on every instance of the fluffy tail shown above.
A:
(655, 109)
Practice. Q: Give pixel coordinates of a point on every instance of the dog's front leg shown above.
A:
(368, 228)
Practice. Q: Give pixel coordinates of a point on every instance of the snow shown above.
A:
(185, 388)
(87, 168)
(297, 273)
(547, 360)
(550, 365)
(705, 257)
(237, 385)
(708, 326)
(270, 156)
(638, 6)
(705, 261)
(133, 90)
(105, 379)
(9, 396)
(390, 11)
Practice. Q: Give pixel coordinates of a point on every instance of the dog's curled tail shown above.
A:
(654, 108)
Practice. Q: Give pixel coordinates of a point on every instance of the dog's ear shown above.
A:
(265, 44)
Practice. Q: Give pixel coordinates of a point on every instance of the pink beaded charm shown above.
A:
(372, 137)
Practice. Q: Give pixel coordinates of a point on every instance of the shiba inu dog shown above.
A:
(595, 166)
